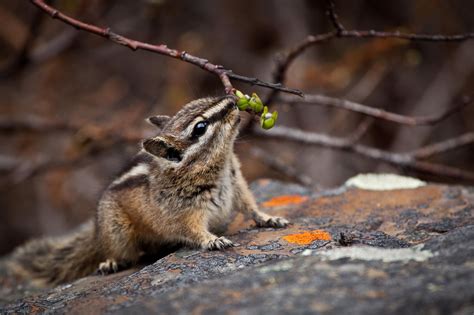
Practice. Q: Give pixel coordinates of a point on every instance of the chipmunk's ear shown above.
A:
(158, 121)
(162, 148)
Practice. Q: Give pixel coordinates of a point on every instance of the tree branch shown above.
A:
(223, 74)
(412, 160)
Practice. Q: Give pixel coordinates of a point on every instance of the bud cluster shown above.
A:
(254, 104)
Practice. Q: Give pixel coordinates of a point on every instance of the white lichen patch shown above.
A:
(384, 182)
(376, 253)
(282, 266)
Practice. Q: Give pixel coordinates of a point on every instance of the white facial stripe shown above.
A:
(140, 169)
(202, 141)
(215, 109)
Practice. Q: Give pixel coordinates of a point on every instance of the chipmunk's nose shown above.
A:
(232, 99)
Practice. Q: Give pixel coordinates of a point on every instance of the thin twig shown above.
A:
(361, 130)
(323, 100)
(342, 32)
(444, 146)
(331, 12)
(223, 74)
(407, 160)
(285, 59)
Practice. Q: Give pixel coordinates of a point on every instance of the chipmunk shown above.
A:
(181, 186)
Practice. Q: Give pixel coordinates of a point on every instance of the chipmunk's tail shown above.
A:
(57, 260)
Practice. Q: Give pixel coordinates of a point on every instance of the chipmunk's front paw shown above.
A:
(107, 267)
(274, 222)
(219, 243)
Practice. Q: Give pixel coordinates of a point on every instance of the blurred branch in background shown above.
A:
(87, 140)
(23, 56)
(323, 100)
(282, 167)
(28, 56)
(411, 160)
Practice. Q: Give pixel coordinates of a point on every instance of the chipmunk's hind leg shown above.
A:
(107, 267)
(119, 242)
(110, 266)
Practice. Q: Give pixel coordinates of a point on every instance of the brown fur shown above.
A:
(177, 190)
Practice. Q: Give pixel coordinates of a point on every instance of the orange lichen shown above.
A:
(285, 200)
(307, 237)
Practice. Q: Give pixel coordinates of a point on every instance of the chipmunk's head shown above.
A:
(202, 132)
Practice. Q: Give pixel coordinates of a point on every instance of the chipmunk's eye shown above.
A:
(199, 129)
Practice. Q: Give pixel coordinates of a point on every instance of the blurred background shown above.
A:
(52, 76)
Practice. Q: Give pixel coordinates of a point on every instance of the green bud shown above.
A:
(256, 103)
(239, 94)
(268, 120)
(252, 104)
(268, 123)
(242, 103)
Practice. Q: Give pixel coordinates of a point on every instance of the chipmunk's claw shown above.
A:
(219, 243)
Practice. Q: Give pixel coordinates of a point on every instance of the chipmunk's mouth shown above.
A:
(234, 115)
(236, 122)
(233, 111)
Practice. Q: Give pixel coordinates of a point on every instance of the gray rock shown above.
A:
(407, 251)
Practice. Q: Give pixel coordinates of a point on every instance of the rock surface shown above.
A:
(348, 251)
